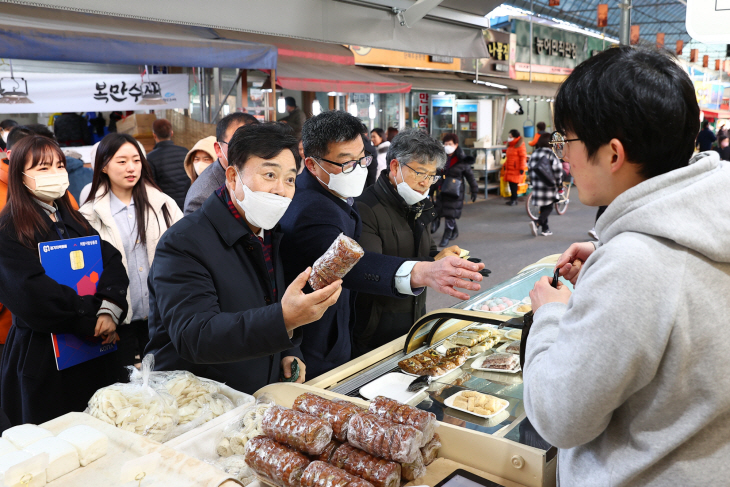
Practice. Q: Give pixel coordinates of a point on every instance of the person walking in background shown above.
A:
(723, 148)
(200, 157)
(381, 143)
(450, 189)
(370, 149)
(5, 127)
(515, 165)
(167, 162)
(546, 174)
(391, 133)
(705, 138)
(130, 212)
(540, 131)
(296, 117)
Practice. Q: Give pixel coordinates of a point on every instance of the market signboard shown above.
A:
(497, 64)
(368, 56)
(61, 92)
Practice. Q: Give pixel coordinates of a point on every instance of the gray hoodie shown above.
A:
(631, 379)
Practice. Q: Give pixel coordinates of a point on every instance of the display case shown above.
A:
(509, 435)
(443, 115)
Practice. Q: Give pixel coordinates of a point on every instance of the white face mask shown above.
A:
(510, 139)
(5, 136)
(350, 185)
(49, 187)
(263, 210)
(410, 195)
(200, 167)
(449, 149)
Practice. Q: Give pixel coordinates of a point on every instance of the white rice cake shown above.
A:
(25, 435)
(6, 447)
(90, 443)
(31, 465)
(62, 456)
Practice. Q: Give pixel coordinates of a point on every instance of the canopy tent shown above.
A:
(444, 31)
(53, 35)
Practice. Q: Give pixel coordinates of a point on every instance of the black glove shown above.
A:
(473, 197)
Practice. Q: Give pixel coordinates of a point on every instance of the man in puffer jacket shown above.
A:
(167, 161)
(628, 375)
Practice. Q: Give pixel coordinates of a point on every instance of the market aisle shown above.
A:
(500, 236)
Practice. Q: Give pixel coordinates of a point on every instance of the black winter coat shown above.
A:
(32, 389)
(212, 310)
(167, 162)
(457, 166)
(390, 227)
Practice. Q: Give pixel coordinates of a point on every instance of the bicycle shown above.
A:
(561, 206)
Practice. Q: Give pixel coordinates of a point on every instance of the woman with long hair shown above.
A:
(130, 212)
(38, 210)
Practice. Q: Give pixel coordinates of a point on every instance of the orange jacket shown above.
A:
(516, 161)
(6, 319)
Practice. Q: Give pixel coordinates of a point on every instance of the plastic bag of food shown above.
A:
(320, 474)
(379, 472)
(391, 441)
(400, 413)
(236, 467)
(137, 407)
(431, 450)
(306, 433)
(337, 261)
(337, 414)
(245, 427)
(275, 463)
(413, 470)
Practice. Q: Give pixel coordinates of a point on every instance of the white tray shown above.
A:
(503, 348)
(393, 385)
(450, 403)
(514, 332)
(476, 362)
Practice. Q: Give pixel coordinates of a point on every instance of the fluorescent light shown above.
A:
(372, 112)
(281, 104)
(442, 93)
(316, 108)
(352, 109)
(487, 83)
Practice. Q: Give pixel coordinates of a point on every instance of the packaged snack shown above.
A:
(275, 463)
(506, 361)
(337, 414)
(377, 471)
(400, 413)
(320, 474)
(337, 261)
(413, 470)
(306, 433)
(431, 450)
(196, 397)
(384, 439)
(513, 347)
(245, 427)
(328, 451)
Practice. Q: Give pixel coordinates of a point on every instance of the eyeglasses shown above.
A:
(557, 142)
(424, 176)
(349, 166)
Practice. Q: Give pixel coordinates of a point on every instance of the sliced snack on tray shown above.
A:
(24, 435)
(478, 403)
(501, 361)
(62, 456)
(433, 363)
(513, 347)
(497, 305)
(90, 443)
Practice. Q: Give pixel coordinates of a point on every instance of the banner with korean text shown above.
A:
(61, 92)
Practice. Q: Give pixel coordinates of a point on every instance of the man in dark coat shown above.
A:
(219, 305)
(296, 117)
(705, 138)
(167, 162)
(396, 213)
(321, 210)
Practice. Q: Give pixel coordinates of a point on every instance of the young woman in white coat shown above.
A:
(129, 211)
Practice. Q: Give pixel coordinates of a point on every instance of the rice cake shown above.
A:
(62, 456)
(25, 434)
(89, 443)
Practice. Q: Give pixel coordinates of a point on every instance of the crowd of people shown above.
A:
(207, 254)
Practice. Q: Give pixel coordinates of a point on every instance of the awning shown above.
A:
(716, 114)
(326, 77)
(295, 49)
(524, 87)
(53, 35)
(455, 32)
(449, 83)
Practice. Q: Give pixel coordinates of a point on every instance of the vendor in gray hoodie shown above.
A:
(628, 376)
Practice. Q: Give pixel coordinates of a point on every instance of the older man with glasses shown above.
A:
(322, 208)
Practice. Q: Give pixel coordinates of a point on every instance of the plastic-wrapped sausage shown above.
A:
(384, 439)
(306, 433)
(276, 463)
(337, 414)
(396, 412)
(431, 450)
(329, 450)
(377, 471)
(413, 470)
(320, 474)
(337, 261)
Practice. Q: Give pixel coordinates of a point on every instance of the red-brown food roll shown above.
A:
(329, 450)
(337, 414)
(423, 421)
(431, 450)
(274, 462)
(413, 470)
(379, 472)
(337, 261)
(320, 474)
(384, 439)
(306, 433)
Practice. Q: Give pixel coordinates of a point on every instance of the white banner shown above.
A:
(52, 92)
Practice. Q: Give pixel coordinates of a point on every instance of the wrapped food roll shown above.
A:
(329, 450)
(413, 470)
(320, 474)
(431, 450)
(276, 463)
(377, 471)
(298, 430)
(384, 439)
(337, 261)
(337, 414)
(391, 410)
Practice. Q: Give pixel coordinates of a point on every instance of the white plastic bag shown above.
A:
(246, 426)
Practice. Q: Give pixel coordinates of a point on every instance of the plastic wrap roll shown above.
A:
(391, 441)
(397, 412)
(274, 462)
(337, 261)
(329, 450)
(320, 474)
(337, 414)
(379, 472)
(413, 470)
(431, 450)
(306, 433)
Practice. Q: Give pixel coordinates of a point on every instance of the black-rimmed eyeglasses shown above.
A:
(558, 143)
(424, 176)
(349, 166)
